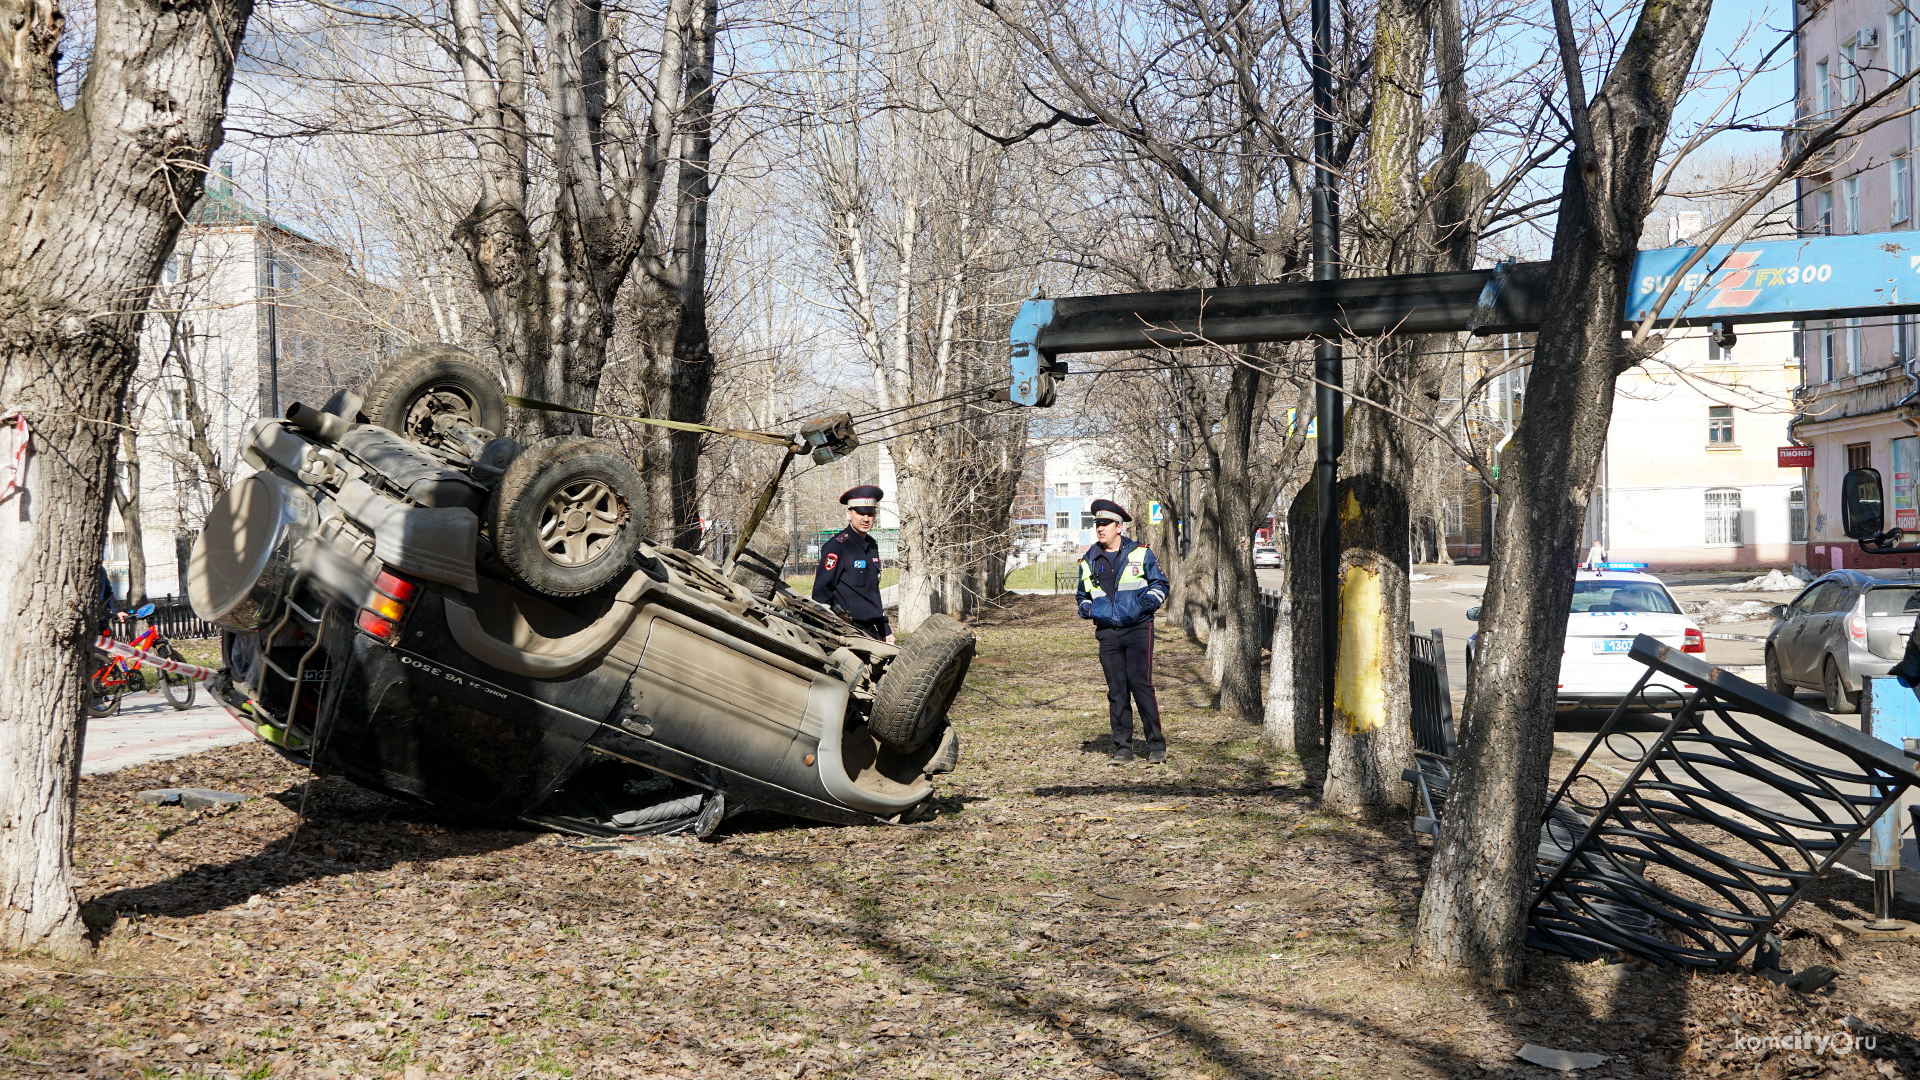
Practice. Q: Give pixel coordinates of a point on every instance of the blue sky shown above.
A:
(1730, 20)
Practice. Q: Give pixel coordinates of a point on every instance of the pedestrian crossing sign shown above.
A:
(1154, 513)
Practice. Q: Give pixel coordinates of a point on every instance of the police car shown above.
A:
(1613, 603)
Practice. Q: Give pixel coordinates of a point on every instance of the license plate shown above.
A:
(1613, 645)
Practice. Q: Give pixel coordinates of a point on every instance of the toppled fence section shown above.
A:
(1726, 815)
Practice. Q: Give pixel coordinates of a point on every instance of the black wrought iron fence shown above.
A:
(1724, 819)
(175, 618)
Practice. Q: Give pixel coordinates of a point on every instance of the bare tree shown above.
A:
(1472, 915)
(589, 154)
(99, 191)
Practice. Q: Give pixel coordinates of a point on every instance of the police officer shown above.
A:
(849, 576)
(1121, 586)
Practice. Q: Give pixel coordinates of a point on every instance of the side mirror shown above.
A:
(1777, 611)
(1473, 613)
(1861, 515)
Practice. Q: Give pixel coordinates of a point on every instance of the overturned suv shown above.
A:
(451, 617)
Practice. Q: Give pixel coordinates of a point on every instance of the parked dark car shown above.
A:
(444, 615)
(1843, 628)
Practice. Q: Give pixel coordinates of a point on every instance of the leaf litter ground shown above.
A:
(1059, 917)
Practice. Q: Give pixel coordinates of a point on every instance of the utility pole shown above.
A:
(1183, 520)
(1326, 359)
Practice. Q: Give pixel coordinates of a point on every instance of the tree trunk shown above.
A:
(1298, 726)
(126, 499)
(1292, 721)
(94, 193)
(1372, 721)
(1473, 913)
(1370, 740)
(692, 347)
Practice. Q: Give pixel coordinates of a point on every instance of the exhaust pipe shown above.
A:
(326, 426)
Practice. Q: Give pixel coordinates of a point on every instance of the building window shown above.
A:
(1797, 516)
(1826, 352)
(1086, 519)
(176, 405)
(1823, 212)
(1723, 516)
(1062, 520)
(1086, 489)
(1900, 41)
(1859, 456)
(1720, 425)
(1823, 90)
(1856, 347)
(1060, 491)
(1850, 192)
(1902, 184)
(1849, 74)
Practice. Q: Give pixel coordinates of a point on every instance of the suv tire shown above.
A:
(568, 515)
(913, 697)
(423, 381)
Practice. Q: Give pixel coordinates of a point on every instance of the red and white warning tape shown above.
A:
(195, 672)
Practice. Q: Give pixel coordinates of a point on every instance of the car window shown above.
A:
(1618, 596)
(1832, 597)
(1902, 600)
(1803, 604)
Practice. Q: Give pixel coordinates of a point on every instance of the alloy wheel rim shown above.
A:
(580, 521)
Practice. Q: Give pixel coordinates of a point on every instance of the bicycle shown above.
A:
(120, 675)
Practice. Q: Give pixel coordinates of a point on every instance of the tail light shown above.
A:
(386, 607)
(1857, 623)
(384, 629)
(1696, 641)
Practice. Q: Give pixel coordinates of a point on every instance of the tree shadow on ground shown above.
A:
(345, 830)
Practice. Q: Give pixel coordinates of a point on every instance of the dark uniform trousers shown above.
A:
(1126, 657)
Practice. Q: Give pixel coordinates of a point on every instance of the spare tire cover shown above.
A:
(241, 558)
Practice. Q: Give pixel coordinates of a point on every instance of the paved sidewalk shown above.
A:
(148, 729)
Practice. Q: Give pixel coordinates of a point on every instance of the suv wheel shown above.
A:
(422, 383)
(1839, 698)
(568, 515)
(913, 697)
(1777, 682)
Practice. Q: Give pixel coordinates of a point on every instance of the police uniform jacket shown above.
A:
(1119, 589)
(849, 576)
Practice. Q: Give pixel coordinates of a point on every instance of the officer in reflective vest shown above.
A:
(849, 576)
(1121, 586)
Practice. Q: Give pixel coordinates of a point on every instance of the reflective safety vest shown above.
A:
(1133, 575)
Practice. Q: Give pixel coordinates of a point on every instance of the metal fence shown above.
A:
(1432, 697)
(175, 618)
(1718, 828)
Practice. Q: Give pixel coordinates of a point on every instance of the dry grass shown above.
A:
(1059, 918)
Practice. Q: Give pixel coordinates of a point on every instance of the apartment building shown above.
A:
(1859, 400)
(251, 315)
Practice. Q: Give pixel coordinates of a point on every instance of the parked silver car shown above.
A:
(1846, 626)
